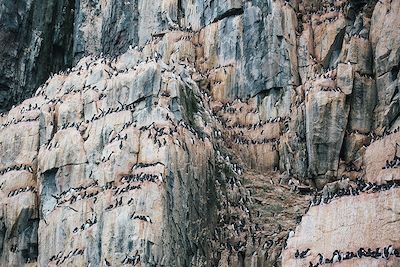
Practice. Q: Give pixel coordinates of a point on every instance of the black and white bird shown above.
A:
(148, 219)
(291, 234)
(336, 257)
(321, 258)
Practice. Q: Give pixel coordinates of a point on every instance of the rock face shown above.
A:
(199, 133)
(36, 38)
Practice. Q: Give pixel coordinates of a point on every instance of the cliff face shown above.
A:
(198, 133)
(36, 39)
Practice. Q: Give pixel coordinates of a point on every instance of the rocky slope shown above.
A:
(200, 133)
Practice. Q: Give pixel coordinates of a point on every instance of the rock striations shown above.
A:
(200, 133)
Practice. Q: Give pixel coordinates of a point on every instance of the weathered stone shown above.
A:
(219, 120)
(384, 36)
(269, 47)
(376, 156)
(326, 118)
(345, 78)
(328, 40)
(386, 50)
(36, 40)
(324, 236)
(352, 145)
(363, 102)
(359, 54)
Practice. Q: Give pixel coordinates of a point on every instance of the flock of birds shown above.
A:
(118, 203)
(60, 258)
(142, 177)
(247, 141)
(339, 256)
(132, 260)
(127, 188)
(16, 121)
(361, 187)
(22, 190)
(30, 107)
(121, 107)
(82, 192)
(327, 13)
(254, 126)
(73, 194)
(331, 89)
(324, 89)
(375, 137)
(86, 225)
(145, 218)
(238, 137)
(20, 167)
(394, 163)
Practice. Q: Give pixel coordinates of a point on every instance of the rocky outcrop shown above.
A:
(198, 133)
(102, 147)
(36, 40)
(386, 62)
(374, 230)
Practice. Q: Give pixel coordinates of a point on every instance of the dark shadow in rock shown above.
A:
(48, 201)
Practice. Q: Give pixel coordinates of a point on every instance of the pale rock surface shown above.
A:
(194, 133)
(377, 215)
(376, 156)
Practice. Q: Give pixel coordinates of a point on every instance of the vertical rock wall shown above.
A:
(178, 130)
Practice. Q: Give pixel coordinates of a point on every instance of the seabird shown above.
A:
(321, 258)
(390, 250)
(335, 257)
(148, 219)
(291, 234)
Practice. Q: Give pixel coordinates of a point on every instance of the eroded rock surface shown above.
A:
(199, 133)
